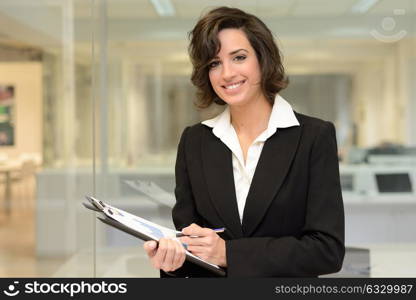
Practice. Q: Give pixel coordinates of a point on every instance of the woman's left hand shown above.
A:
(205, 243)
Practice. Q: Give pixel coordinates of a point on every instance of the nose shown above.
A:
(228, 71)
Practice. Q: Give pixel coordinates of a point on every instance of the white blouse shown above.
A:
(282, 116)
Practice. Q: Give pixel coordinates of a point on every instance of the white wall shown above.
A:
(26, 77)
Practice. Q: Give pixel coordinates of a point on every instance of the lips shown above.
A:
(234, 85)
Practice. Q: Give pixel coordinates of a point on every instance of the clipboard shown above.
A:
(113, 217)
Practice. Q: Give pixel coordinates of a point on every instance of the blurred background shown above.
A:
(94, 95)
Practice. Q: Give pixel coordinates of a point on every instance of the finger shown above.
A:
(197, 231)
(208, 231)
(197, 249)
(179, 256)
(191, 229)
(160, 255)
(176, 255)
(183, 256)
(204, 241)
(150, 247)
(168, 262)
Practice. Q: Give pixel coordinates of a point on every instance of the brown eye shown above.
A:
(213, 64)
(240, 57)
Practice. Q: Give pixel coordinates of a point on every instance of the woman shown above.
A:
(267, 174)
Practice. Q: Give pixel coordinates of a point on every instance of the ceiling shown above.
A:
(133, 29)
(265, 8)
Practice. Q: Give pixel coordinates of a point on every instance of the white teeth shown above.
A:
(233, 86)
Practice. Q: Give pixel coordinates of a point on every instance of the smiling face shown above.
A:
(235, 73)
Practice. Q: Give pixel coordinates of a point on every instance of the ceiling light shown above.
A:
(164, 8)
(362, 6)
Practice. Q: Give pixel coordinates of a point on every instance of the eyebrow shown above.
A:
(234, 52)
(238, 50)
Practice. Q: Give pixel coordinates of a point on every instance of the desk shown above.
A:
(392, 260)
(386, 260)
(7, 168)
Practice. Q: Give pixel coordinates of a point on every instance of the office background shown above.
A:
(94, 95)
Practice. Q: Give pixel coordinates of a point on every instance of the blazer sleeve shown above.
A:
(320, 248)
(184, 212)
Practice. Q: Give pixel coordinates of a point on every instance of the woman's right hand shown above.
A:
(168, 256)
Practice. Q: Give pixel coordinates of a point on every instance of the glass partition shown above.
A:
(45, 56)
(94, 95)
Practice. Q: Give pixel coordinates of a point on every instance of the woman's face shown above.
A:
(235, 72)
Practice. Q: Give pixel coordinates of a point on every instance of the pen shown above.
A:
(217, 230)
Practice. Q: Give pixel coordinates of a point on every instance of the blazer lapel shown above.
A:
(272, 167)
(218, 171)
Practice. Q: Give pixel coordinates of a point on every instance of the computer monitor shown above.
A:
(394, 183)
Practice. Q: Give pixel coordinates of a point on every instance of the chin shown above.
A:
(235, 101)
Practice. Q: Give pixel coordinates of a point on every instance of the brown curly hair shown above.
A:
(205, 45)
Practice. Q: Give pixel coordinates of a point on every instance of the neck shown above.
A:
(252, 118)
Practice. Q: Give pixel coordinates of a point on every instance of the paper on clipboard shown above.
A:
(153, 230)
(145, 227)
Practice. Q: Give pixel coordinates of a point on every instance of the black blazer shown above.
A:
(293, 221)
